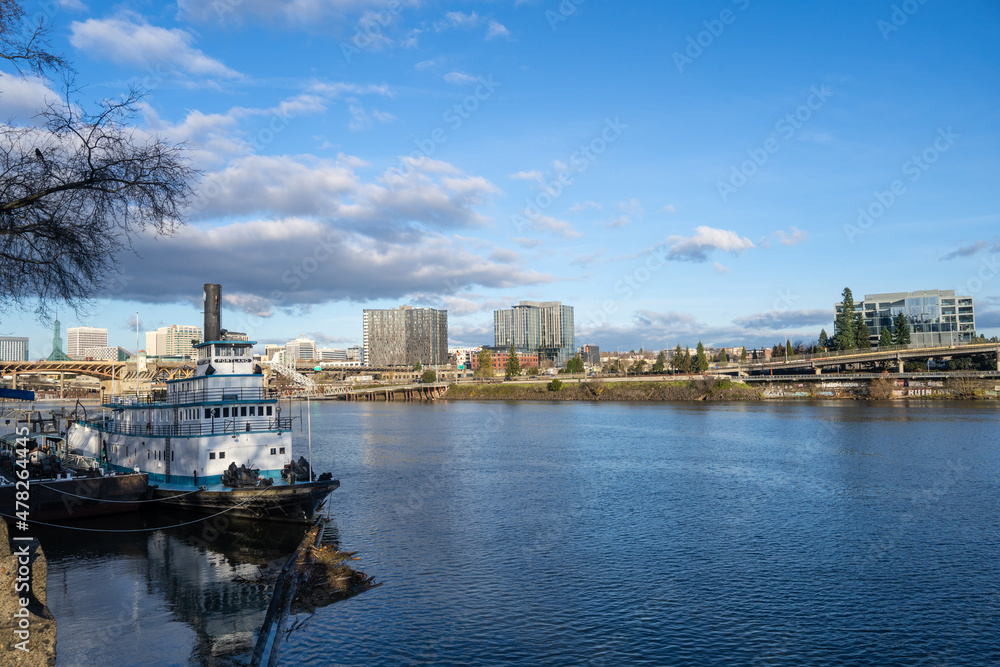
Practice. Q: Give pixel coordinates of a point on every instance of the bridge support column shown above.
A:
(13, 380)
(818, 371)
(62, 388)
(901, 365)
(998, 359)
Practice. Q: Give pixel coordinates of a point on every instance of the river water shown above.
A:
(592, 534)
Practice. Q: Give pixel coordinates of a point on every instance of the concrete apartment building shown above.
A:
(78, 339)
(176, 340)
(531, 326)
(405, 336)
(13, 348)
(935, 317)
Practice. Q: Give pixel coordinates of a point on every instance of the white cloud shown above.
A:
(497, 29)
(364, 120)
(425, 192)
(129, 39)
(620, 221)
(300, 13)
(632, 207)
(547, 223)
(669, 208)
(460, 78)
(458, 20)
(23, 97)
(721, 268)
(526, 242)
(580, 207)
(792, 237)
(532, 175)
(706, 239)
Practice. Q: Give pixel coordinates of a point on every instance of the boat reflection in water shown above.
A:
(173, 596)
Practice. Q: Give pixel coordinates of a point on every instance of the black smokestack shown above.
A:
(213, 295)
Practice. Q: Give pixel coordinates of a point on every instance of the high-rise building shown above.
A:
(79, 339)
(405, 336)
(300, 348)
(177, 340)
(356, 353)
(271, 350)
(935, 317)
(544, 327)
(13, 348)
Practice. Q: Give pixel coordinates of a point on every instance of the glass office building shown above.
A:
(935, 317)
(545, 327)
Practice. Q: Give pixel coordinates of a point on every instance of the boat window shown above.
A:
(217, 412)
(282, 451)
(222, 455)
(273, 451)
(208, 412)
(147, 454)
(269, 411)
(171, 456)
(211, 455)
(243, 411)
(225, 412)
(253, 409)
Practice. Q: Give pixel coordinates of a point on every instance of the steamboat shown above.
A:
(213, 442)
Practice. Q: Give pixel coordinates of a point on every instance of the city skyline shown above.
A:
(681, 178)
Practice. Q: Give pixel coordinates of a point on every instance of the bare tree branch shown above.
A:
(77, 189)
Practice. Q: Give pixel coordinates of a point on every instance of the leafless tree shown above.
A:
(76, 187)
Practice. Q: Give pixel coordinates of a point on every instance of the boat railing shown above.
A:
(194, 397)
(210, 427)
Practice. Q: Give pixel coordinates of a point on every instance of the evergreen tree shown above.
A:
(574, 365)
(845, 337)
(743, 356)
(824, 340)
(700, 360)
(776, 352)
(885, 338)
(723, 356)
(789, 351)
(861, 332)
(513, 365)
(686, 361)
(677, 361)
(660, 363)
(901, 335)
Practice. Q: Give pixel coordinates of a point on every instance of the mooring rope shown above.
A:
(103, 500)
(143, 530)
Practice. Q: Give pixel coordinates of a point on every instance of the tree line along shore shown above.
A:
(713, 389)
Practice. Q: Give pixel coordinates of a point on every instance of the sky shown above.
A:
(675, 171)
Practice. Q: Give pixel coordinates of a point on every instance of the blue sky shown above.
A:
(676, 171)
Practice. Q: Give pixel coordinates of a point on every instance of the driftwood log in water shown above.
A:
(315, 576)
